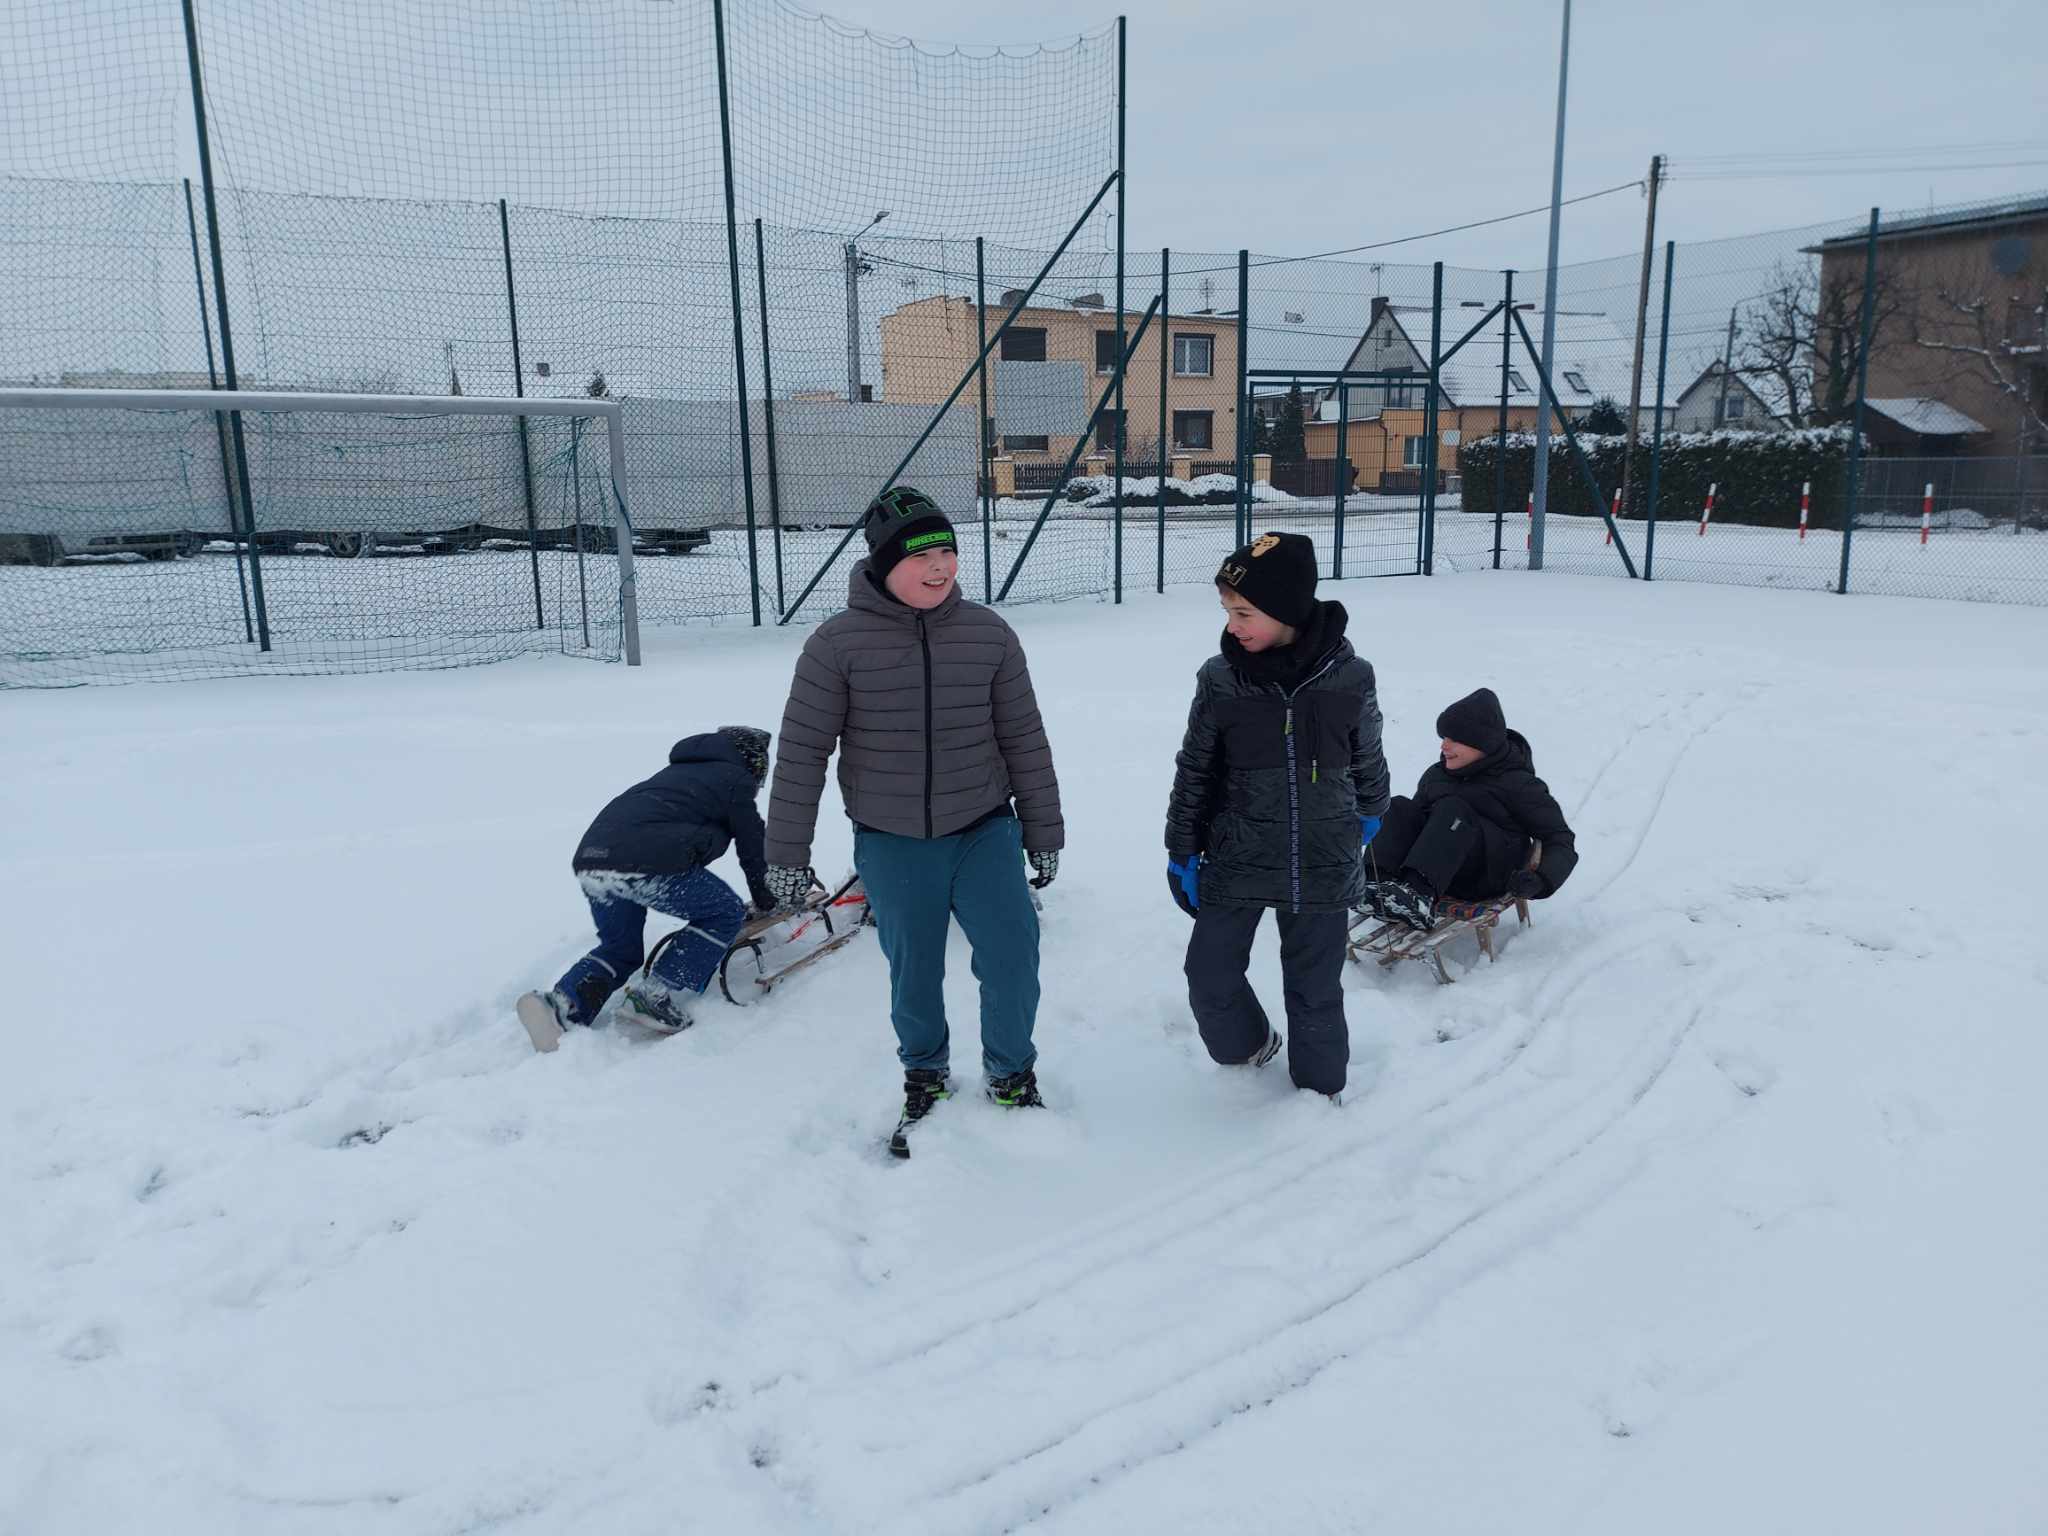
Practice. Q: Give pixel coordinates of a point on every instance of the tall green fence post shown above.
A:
(1432, 422)
(220, 419)
(1117, 464)
(1500, 456)
(1854, 487)
(519, 390)
(1165, 360)
(1341, 469)
(768, 412)
(984, 431)
(227, 335)
(1244, 401)
(739, 334)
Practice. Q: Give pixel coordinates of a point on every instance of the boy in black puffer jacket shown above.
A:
(647, 851)
(1279, 782)
(1466, 834)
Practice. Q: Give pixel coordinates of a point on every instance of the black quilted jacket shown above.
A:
(1282, 757)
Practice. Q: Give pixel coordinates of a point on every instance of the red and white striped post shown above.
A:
(1805, 501)
(1926, 512)
(1529, 538)
(1707, 512)
(1613, 517)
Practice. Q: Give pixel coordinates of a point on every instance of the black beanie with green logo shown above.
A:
(902, 522)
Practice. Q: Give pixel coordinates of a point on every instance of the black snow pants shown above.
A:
(1227, 1011)
(1456, 852)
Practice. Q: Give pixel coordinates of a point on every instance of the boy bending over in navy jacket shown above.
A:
(648, 851)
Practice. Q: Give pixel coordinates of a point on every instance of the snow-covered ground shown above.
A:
(1716, 1205)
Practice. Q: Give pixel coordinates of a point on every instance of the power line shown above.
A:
(1867, 169)
(1869, 152)
(1430, 234)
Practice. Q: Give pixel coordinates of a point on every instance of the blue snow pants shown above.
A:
(619, 904)
(916, 886)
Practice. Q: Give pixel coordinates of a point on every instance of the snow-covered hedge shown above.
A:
(1202, 491)
(1756, 475)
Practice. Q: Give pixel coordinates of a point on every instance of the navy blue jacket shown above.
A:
(683, 818)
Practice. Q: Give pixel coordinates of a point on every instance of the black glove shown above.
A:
(762, 898)
(787, 886)
(1046, 864)
(1527, 884)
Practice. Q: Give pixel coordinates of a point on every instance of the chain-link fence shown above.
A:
(142, 546)
(536, 202)
(657, 204)
(1779, 409)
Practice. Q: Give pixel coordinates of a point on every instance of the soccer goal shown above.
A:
(149, 534)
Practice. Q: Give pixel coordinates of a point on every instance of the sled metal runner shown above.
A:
(1391, 942)
(749, 971)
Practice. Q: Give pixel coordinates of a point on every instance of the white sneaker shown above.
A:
(541, 1013)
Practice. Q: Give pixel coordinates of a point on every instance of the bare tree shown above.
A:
(1987, 330)
(1804, 335)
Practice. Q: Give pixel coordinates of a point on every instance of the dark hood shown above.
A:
(709, 747)
(1318, 640)
(864, 590)
(1514, 753)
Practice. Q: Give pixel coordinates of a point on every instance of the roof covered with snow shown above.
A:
(1593, 358)
(1917, 413)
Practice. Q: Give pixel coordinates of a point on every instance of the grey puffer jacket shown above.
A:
(933, 716)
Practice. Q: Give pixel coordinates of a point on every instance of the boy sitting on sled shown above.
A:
(1465, 835)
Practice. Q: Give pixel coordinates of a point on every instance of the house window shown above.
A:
(1516, 382)
(1024, 344)
(1194, 357)
(1108, 428)
(1412, 451)
(1105, 351)
(1577, 380)
(1738, 408)
(1194, 429)
(1013, 443)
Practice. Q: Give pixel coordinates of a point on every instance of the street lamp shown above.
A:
(853, 272)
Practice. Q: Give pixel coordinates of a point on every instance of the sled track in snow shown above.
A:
(1067, 1460)
(1232, 1373)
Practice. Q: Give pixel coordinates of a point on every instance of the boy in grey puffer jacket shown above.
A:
(928, 701)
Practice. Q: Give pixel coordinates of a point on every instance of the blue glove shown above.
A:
(1368, 829)
(1183, 882)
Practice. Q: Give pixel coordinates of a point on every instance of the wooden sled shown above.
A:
(1391, 942)
(761, 956)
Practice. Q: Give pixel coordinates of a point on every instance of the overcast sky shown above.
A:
(1328, 123)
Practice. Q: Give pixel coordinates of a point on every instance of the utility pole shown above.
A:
(1635, 377)
(1727, 363)
(1541, 485)
(853, 271)
(852, 323)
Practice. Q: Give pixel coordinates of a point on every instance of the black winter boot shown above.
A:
(1017, 1091)
(922, 1088)
(1410, 901)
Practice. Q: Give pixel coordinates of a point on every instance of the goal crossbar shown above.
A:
(236, 400)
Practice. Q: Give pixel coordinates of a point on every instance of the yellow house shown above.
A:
(1050, 366)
